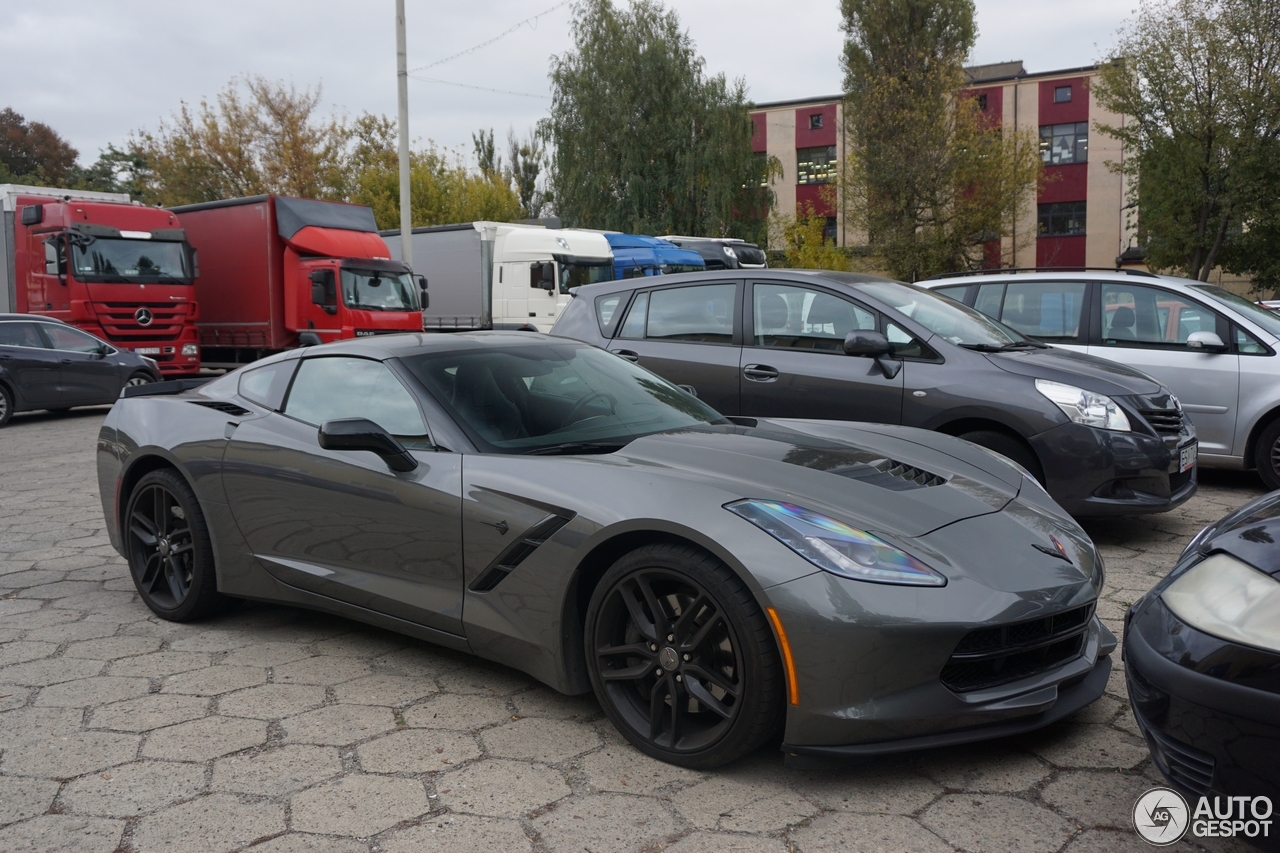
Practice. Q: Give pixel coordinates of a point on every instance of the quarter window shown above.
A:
(20, 335)
(1247, 344)
(1049, 311)
(266, 385)
(343, 387)
(1062, 219)
(1148, 316)
(633, 328)
(607, 311)
(816, 165)
(801, 318)
(1061, 144)
(703, 314)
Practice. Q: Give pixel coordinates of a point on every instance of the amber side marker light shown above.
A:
(793, 688)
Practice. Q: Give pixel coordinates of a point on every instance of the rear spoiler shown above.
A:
(172, 386)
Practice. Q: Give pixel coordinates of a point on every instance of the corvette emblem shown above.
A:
(143, 316)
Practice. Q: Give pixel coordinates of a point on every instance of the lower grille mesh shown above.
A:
(988, 657)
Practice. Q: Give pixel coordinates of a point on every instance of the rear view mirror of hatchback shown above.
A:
(1206, 341)
(866, 343)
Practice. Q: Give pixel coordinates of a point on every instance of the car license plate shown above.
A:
(1187, 457)
(147, 350)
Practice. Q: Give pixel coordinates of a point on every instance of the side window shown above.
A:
(957, 292)
(69, 339)
(1247, 344)
(1133, 315)
(990, 298)
(1047, 310)
(607, 311)
(803, 318)
(345, 387)
(266, 385)
(20, 335)
(702, 314)
(633, 328)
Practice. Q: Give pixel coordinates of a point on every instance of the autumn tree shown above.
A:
(804, 243)
(928, 180)
(32, 152)
(644, 140)
(1198, 82)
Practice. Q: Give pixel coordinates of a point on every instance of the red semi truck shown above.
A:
(116, 269)
(279, 272)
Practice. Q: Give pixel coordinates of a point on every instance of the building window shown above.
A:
(1062, 95)
(982, 102)
(1062, 219)
(815, 121)
(816, 165)
(1064, 143)
(760, 163)
(829, 230)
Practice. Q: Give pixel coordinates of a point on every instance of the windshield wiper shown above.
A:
(573, 447)
(1012, 345)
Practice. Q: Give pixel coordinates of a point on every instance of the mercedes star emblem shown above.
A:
(143, 316)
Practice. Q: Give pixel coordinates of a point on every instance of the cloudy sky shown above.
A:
(95, 71)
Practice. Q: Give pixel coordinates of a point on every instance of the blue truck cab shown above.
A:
(635, 255)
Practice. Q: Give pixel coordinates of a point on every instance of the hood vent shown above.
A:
(224, 407)
(889, 474)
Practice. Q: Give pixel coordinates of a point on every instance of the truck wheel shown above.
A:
(167, 543)
(1008, 447)
(6, 405)
(1266, 455)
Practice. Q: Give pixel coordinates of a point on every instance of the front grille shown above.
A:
(890, 474)
(120, 324)
(1164, 421)
(988, 657)
(1187, 766)
(1179, 481)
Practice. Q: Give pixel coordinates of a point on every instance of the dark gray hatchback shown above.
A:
(1104, 439)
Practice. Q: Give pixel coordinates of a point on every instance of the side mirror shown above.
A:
(422, 291)
(323, 291)
(688, 389)
(866, 343)
(364, 434)
(33, 214)
(195, 264)
(1206, 342)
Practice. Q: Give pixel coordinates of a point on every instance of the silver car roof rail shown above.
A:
(998, 271)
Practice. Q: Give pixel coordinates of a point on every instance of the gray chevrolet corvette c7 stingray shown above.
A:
(551, 506)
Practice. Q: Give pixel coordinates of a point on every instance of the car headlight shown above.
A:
(729, 251)
(1084, 407)
(836, 547)
(1228, 599)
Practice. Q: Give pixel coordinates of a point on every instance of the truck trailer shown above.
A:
(112, 267)
(280, 272)
(498, 275)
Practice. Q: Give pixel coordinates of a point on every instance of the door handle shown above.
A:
(760, 372)
(65, 361)
(629, 355)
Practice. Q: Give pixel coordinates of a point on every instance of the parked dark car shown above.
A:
(539, 502)
(1202, 660)
(1103, 438)
(47, 364)
(722, 252)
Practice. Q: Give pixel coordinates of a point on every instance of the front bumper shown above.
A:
(1209, 725)
(1097, 472)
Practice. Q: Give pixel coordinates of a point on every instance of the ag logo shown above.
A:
(143, 316)
(1161, 816)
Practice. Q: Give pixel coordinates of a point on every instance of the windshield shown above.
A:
(1264, 317)
(375, 290)
(124, 259)
(672, 269)
(945, 317)
(555, 398)
(576, 273)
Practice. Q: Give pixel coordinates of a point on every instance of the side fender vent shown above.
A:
(890, 474)
(517, 552)
(227, 408)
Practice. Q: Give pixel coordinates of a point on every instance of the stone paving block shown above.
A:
(276, 771)
(982, 823)
(362, 644)
(724, 842)
(384, 689)
(24, 725)
(1101, 798)
(14, 696)
(1085, 745)
(266, 654)
(36, 618)
(40, 673)
(218, 823)
(983, 767)
(20, 652)
(62, 832)
(417, 751)
(1104, 709)
(534, 739)
(298, 842)
(622, 768)
(154, 711)
(91, 691)
(545, 702)
(21, 798)
(459, 834)
(215, 640)
(500, 788)
(70, 755)
(880, 787)
(769, 815)
(72, 632)
(110, 648)
(359, 805)
(451, 711)
(484, 680)
(209, 737)
(133, 789)
(855, 833)
(328, 669)
(420, 660)
(613, 822)
(159, 664)
(338, 725)
(214, 680)
(271, 701)
(60, 589)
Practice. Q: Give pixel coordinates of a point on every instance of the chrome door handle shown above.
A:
(629, 355)
(760, 372)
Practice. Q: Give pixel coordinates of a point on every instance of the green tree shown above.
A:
(804, 242)
(33, 152)
(644, 140)
(1199, 84)
(486, 154)
(528, 163)
(928, 179)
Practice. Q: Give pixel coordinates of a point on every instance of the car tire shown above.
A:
(682, 658)
(1008, 447)
(1266, 455)
(168, 549)
(139, 378)
(6, 405)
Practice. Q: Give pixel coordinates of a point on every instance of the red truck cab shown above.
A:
(118, 270)
(279, 272)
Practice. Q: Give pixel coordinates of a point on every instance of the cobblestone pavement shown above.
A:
(274, 729)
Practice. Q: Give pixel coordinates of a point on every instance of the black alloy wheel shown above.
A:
(682, 658)
(1266, 455)
(167, 541)
(6, 405)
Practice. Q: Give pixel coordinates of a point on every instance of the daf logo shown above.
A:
(143, 316)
